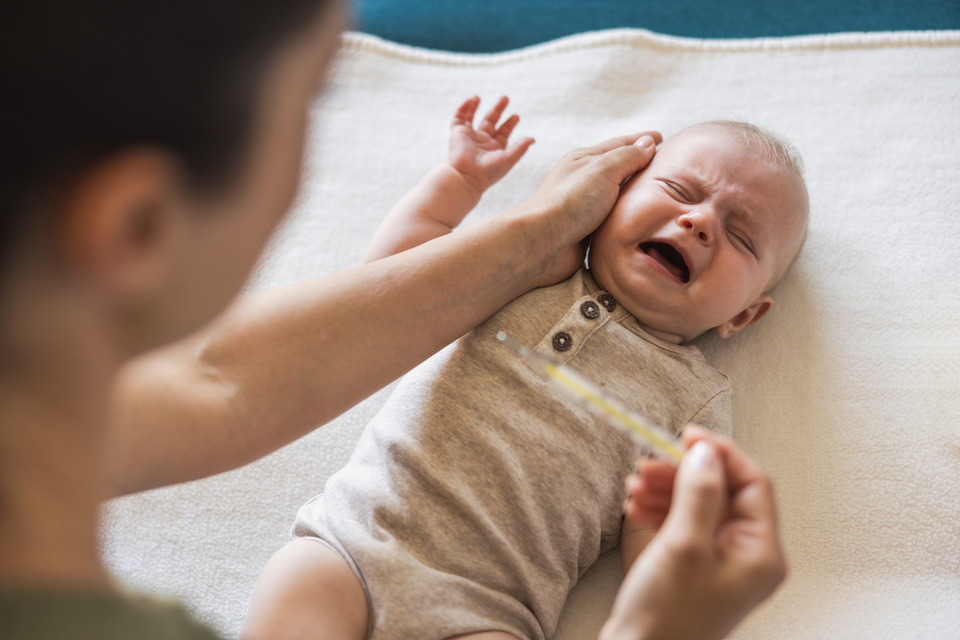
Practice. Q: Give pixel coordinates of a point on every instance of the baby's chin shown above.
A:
(658, 324)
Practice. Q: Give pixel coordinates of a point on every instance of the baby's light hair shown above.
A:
(777, 150)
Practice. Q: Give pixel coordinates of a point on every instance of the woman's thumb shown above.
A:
(627, 160)
(699, 494)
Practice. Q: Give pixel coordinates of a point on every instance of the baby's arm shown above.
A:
(478, 158)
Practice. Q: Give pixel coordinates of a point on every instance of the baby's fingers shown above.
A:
(466, 112)
(489, 123)
(503, 133)
(516, 150)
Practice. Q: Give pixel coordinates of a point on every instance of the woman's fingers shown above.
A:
(700, 496)
(621, 141)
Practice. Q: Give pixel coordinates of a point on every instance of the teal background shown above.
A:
(499, 25)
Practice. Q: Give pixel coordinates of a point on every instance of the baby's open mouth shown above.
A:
(669, 258)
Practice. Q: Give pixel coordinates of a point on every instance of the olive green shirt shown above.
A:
(88, 614)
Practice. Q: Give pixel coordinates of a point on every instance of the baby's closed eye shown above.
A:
(741, 238)
(677, 191)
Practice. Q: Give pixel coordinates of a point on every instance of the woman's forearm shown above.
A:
(280, 363)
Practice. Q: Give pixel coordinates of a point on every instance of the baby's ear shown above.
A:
(746, 317)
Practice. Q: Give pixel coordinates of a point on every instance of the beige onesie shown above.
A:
(479, 494)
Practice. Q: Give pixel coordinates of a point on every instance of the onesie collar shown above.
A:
(626, 319)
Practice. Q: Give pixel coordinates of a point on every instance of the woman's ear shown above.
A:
(747, 317)
(118, 220)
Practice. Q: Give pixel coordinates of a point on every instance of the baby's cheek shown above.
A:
(742, 294)
(623, 218)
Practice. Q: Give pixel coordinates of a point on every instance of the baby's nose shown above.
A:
(699, 224)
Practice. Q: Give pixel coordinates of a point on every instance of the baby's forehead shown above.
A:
(703, 138)
(766, 166)
(727, 145)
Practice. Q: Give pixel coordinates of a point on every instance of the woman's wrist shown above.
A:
(533, 249)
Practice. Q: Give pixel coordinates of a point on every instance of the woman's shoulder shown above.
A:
(88, 614)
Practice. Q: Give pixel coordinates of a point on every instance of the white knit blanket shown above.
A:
(848, 392)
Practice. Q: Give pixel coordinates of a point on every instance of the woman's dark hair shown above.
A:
(83, 79)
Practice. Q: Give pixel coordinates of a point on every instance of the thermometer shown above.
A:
(599, 402)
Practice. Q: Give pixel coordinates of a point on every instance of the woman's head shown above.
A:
(157, 106)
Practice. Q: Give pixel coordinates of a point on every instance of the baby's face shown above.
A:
(696, 240)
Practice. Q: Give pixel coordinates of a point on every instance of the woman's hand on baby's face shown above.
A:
(579, 193)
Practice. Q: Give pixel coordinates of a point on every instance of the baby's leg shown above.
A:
(307, 592)
(486, 635)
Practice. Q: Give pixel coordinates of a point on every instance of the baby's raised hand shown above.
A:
(483, 155)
